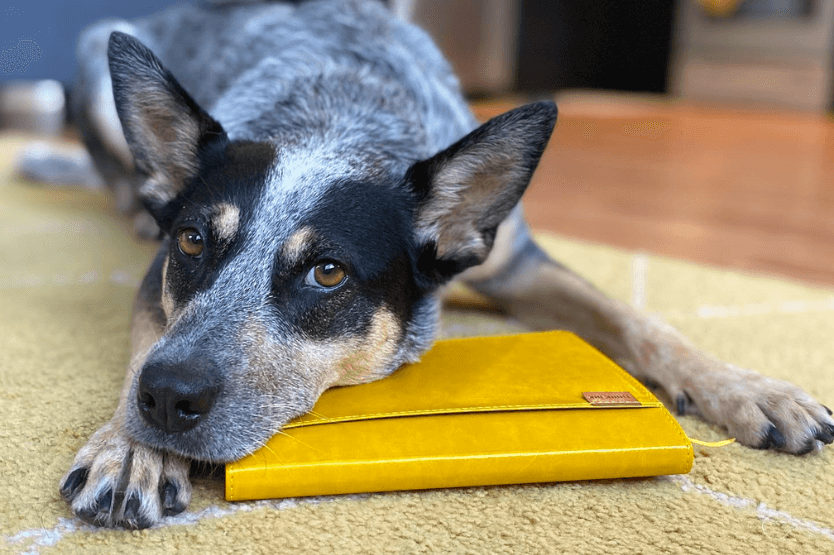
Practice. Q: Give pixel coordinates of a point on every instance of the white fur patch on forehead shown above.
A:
(310, 167)
(291, 190)
(294, 247)
(299, 179)
(225, 220)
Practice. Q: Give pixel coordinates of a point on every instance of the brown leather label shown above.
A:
(610, 398)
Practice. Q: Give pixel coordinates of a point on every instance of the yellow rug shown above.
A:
(68, 270)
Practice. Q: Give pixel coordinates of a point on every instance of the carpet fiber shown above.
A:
(68, 271)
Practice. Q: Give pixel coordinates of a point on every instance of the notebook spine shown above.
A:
(347, 477)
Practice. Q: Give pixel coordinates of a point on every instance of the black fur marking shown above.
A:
(364, 227)
(235, 175)
(369, 221)
(435, 271)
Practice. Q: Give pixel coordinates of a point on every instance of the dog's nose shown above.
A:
(176, 397)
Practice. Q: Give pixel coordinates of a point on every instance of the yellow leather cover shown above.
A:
(478, 411)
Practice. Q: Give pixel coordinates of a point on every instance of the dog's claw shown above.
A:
(132, 507)
(682, 403)
(825, 434)
(88, 515)
(774, 439)
(133, 518)
(104, 501)
(74, 483)
(99, 511)
(758, 411)
(809, 447)
(168, 494)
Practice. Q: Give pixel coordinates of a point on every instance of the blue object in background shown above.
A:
(38, 37)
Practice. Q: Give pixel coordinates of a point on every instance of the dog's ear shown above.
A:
(466, 191)
(164, 127)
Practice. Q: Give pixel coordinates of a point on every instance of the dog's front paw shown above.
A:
(760, 412)
(116, 482)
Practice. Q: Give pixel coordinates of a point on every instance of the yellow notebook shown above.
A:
(538, 407)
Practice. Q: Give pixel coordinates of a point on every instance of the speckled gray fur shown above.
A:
(254, 67)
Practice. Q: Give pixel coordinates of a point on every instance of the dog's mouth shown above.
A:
(216, 445)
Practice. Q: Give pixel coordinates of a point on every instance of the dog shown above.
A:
(316, 178)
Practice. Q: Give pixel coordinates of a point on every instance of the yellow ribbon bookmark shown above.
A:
(722, 443)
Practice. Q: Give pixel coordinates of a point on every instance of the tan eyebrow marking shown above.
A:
(294, 247)
(226, 220)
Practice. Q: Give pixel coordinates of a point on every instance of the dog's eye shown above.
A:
(190, 241)
(326, 274)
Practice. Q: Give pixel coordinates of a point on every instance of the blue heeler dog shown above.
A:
(316, 176)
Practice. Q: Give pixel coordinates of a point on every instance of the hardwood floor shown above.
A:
(751, 190)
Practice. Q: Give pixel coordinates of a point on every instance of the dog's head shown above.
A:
(292, 266)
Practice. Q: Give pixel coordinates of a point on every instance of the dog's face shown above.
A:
(289, 268)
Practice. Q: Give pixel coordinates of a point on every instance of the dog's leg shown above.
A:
(759, 411)
(113, 480)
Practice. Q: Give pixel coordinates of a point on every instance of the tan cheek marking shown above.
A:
(285, 378)
(370, 358)
(144, 333)
(252, 337)
(226, 220)
(167, 299)
(294, 247)
(318, 365)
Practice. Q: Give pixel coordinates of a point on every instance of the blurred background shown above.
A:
(694, 128)
(776, 52)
